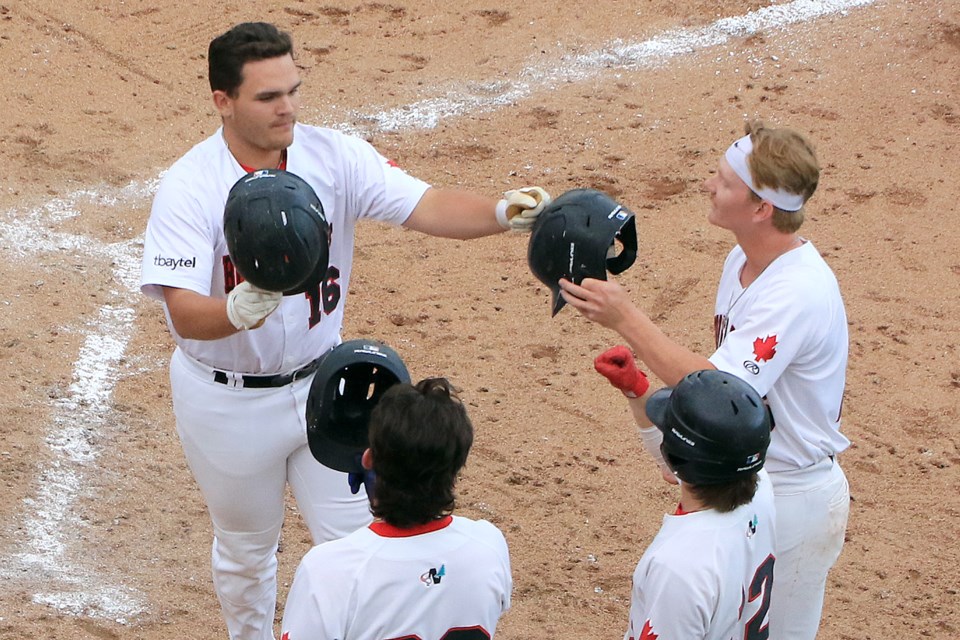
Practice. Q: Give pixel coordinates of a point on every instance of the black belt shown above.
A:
(276, 380)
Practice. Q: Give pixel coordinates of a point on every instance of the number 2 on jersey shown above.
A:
(760, 587)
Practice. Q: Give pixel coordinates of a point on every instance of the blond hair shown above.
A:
(783, 159)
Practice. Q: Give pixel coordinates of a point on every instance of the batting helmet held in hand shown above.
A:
(582, 234)
(716, 427)
(348, 384)
(276, 231)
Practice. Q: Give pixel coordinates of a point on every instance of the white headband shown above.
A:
(737, 157)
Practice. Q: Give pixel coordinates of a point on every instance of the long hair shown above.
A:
(419, 439)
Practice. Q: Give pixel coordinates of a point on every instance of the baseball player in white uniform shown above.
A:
(709, 572)
(417, 571)
(243, 362)
(780, 325)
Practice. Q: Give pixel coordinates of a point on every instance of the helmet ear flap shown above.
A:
(627, 238)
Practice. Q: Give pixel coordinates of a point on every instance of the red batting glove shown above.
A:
(616, 365)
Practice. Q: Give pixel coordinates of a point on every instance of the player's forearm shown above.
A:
(198, 317)
(452, 213)
(650, 436)
(665, 358)
(638, 409)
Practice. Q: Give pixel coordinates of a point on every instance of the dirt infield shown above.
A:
(105, 534)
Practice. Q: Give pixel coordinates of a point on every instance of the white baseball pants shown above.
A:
(243, 447)
(812, 509)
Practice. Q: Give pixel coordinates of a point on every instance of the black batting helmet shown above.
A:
(582, 234)
(348, 384)
(276, 231)
(716, 427)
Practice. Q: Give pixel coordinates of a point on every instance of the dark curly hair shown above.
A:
(246, 42)
(419, 439)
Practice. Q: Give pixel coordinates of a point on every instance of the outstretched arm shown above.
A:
(607, 303)
(462, 215)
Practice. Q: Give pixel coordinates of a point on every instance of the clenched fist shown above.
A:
(248, 306)
(617, 365)
(520, 207)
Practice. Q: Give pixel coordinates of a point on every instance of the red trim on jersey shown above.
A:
(680, 511)
(389, 531)
(282, 166)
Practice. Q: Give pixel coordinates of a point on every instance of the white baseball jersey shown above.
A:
(184, 245)
(707, 575)
(786, 334)
(447, 580)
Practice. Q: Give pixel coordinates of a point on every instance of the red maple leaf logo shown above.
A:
(285, 636)
(765, 349)
(647, 632)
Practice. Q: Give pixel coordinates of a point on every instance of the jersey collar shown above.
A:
(282, 165)
(389, 531)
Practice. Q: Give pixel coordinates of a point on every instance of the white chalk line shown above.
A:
(44, 557)
(68, 584)
(654, 52)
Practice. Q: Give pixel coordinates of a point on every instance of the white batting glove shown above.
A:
(248, 306)
(520, 207)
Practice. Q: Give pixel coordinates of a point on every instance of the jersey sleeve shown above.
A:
(765, 341)
(386, 192)
(507, 575)
(668, 603)
(179, 243)
(496, 555)
(315, 608)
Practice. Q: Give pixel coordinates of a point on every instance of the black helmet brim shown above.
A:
(658, 406)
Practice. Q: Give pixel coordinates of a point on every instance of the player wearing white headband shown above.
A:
(780, 324)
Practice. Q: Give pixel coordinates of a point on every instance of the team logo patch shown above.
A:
(619, 213)
(260, 173)
(433, 576)
(752, 526)
(647, 632)
(765, 348)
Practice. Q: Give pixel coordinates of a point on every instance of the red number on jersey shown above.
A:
(457, 633)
